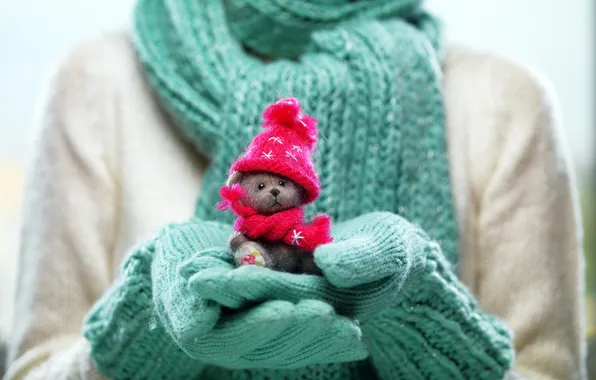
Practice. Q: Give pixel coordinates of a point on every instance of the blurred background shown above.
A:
(556, 38)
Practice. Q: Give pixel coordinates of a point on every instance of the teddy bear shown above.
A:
(266, 189)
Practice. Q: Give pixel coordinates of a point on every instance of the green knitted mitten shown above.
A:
(419, 321)
(152, 324)
(274, 334)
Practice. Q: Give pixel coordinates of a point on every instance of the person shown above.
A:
(2, 358)
(457, 245)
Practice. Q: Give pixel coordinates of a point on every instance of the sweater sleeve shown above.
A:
(67, 224)
(529, 268)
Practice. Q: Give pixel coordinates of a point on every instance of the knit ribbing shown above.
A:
(438, 317)
(113, 327)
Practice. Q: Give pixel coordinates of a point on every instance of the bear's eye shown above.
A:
(261, 186)
(282, 183)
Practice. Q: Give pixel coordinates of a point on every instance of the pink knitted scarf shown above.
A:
(287, 226)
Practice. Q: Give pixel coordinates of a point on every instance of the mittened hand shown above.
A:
(184, 314)
(275, 334)
(281, 334)
(364, 270)
(373, 247)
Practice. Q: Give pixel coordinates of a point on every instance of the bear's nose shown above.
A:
(275, 192)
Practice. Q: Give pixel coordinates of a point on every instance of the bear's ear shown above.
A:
(234, 178)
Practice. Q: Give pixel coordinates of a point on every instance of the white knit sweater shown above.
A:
(109, 169)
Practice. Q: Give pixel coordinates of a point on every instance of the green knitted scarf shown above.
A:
(369, 71)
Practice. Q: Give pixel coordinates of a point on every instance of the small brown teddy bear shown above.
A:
(266, 190)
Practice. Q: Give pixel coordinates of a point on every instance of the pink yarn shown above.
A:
(284, 147)
(287, 226)
(286, 113)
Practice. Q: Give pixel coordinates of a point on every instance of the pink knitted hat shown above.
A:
(284, 147)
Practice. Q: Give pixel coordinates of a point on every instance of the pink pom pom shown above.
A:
(283, 112)
(287, 113)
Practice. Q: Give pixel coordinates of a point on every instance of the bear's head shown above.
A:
(268, 193)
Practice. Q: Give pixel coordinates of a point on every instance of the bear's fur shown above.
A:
(268, 193)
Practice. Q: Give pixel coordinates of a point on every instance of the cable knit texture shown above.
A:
(369, 72)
